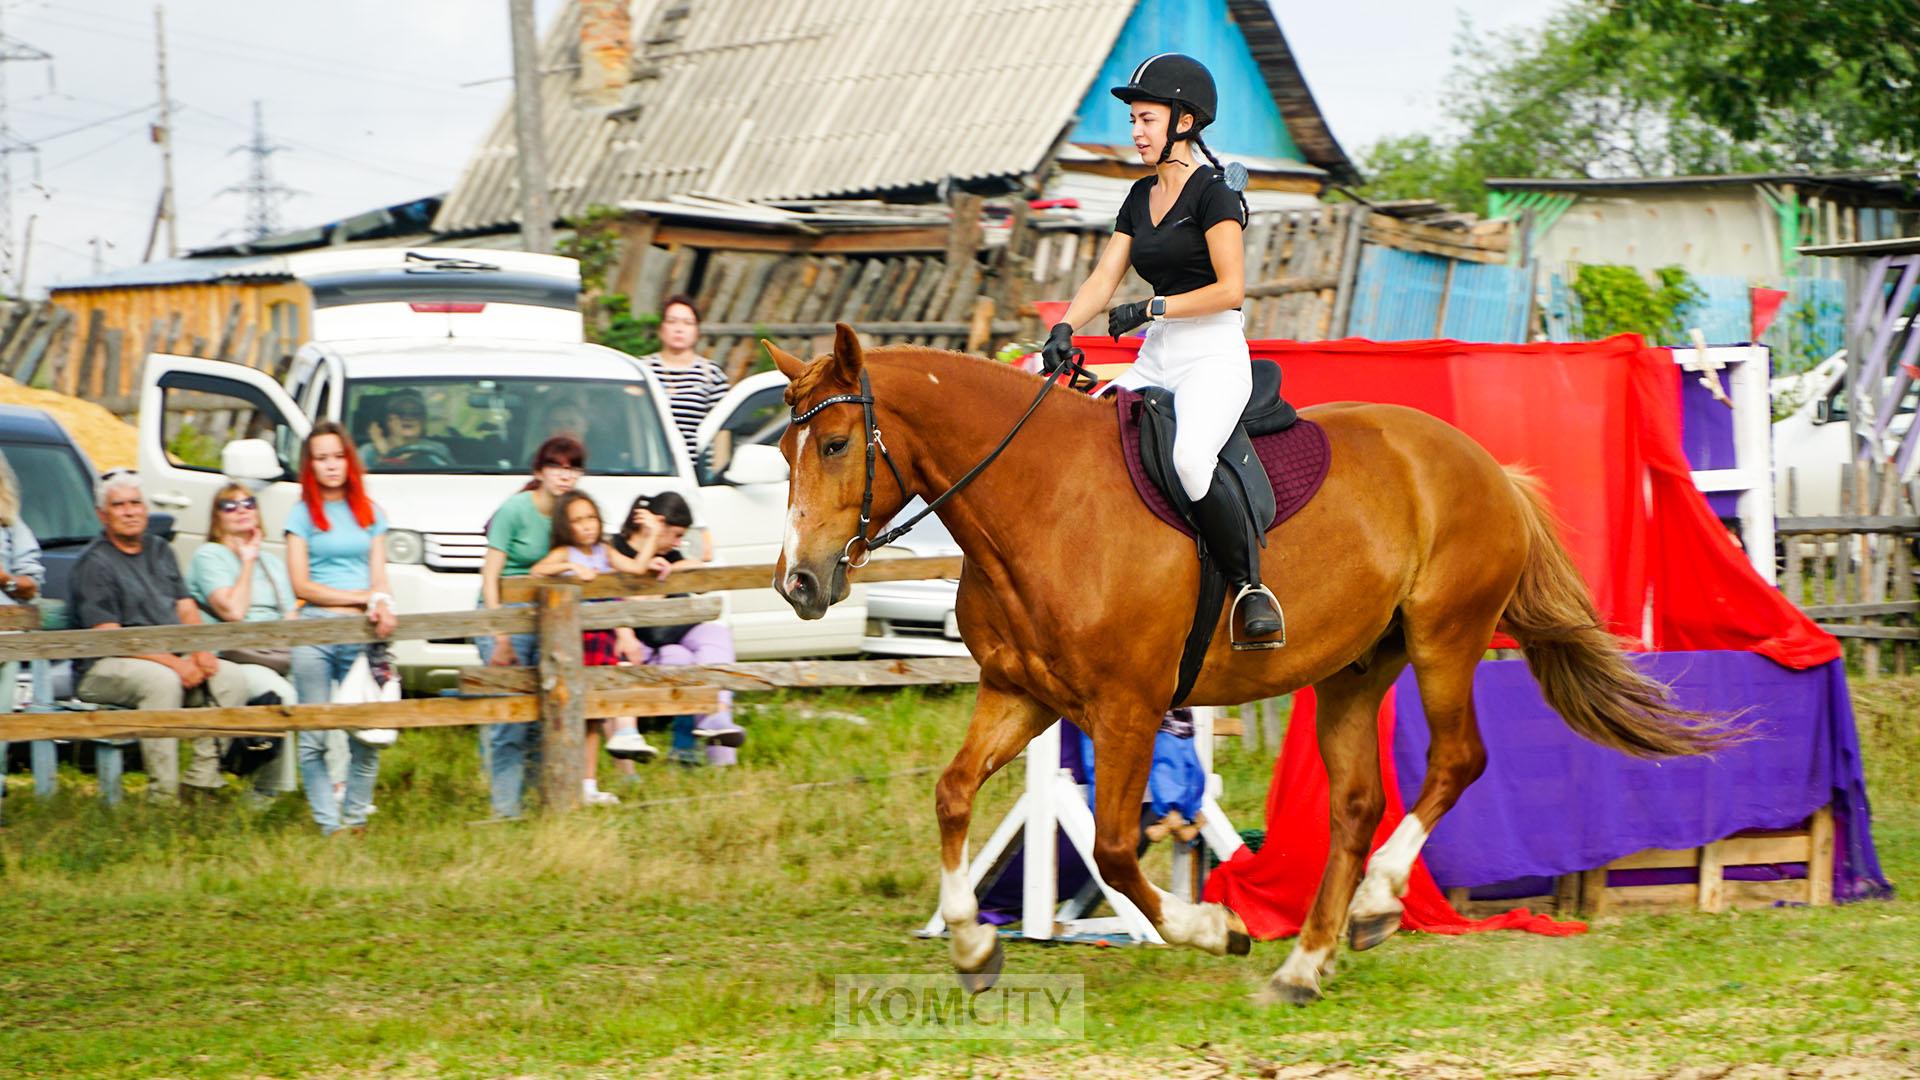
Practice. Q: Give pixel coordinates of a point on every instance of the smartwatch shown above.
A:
(1157, 308)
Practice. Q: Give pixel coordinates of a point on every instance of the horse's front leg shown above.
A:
(1004, 721)
(1123, 737)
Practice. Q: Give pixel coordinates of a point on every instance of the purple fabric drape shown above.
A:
(1552, 803)
(1706, 434)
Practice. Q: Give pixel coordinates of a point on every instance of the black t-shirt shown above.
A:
(110, 586)
(620, 545)
(1172, 256)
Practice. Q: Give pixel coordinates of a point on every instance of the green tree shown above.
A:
(1594, 94)
(610, 318)
(1618, 300)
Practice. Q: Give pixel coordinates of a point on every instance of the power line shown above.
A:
(264, 194)
(12, 50)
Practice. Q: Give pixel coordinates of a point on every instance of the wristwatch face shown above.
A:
(1157, 308)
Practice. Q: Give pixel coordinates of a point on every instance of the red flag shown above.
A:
(1766, 305)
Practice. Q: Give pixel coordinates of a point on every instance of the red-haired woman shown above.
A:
(519, 535)
(339, 567)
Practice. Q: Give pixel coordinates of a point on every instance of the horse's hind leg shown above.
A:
(1004, 721)
(1123, 736)
(1348, 722)
(1455, 758)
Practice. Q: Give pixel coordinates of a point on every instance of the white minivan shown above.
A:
(488, 403)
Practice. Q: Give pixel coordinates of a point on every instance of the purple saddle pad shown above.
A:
(1296, 459)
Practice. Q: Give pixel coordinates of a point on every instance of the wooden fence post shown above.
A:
(563, 696)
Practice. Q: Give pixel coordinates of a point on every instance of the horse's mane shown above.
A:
(965, 367)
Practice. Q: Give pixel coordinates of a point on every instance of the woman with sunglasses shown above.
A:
(235, 579)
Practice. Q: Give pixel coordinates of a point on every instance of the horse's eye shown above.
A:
(834, 447)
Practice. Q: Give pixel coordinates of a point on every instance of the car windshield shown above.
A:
(56, 496)
(495, 425)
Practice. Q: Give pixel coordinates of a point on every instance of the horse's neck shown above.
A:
(953, 412)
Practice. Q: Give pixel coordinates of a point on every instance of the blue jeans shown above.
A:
(316, 670)
(511, 748)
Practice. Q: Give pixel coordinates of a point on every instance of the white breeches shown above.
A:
(1204, 361)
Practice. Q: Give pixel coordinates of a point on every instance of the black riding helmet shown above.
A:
(1178, 81)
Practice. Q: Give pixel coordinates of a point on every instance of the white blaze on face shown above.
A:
(790, 548)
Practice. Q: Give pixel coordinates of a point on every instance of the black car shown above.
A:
(56, 489)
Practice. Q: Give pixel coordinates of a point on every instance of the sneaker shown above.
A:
(719, 729)
(631, 746)
(600, 798)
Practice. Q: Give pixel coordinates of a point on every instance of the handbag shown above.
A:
(360, 687)
(275, 658)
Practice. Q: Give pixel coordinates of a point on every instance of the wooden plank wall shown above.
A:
(113, 330)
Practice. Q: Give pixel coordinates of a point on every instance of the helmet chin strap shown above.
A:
(1174, 134)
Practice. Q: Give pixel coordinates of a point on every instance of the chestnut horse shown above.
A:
(1075, 600)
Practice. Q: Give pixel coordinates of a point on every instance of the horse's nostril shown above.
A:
(802, 585)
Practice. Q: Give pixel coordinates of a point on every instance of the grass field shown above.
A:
(702, 936)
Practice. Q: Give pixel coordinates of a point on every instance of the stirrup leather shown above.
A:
(1233, 622)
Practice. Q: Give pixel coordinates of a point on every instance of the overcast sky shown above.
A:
(375, 102)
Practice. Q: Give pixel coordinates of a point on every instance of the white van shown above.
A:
(1814, 440)
(488, 405)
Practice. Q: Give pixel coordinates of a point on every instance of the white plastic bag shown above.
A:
(360, 688)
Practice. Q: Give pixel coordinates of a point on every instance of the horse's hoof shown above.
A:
(1239, 943)
(1285, 993)
(979, 982)
(1364, 934)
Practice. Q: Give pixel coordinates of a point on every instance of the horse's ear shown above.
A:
(790, 365)
(847, 353)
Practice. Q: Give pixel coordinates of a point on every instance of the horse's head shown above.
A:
(829, 476)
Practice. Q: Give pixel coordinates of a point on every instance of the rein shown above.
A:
(1073, 369)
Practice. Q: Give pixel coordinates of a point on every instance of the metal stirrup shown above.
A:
(1234, 610)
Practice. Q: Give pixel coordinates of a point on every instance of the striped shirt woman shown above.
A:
(694, 384)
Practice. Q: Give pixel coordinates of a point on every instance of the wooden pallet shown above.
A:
(1590, 894)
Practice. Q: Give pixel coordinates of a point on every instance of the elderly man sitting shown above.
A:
(125, 578)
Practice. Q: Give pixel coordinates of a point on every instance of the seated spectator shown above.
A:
(21, 574)
(125, 578)
(654, 530)
(398, 440)
(580, 552)
(235, 579)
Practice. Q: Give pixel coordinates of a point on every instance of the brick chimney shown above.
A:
(606, 51)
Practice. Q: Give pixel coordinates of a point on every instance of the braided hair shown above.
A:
(1201, 145)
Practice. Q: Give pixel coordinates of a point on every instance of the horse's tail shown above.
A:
(1581, 669)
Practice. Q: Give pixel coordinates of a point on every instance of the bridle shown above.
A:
(1078, 378)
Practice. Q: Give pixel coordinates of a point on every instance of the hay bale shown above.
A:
(109, 441)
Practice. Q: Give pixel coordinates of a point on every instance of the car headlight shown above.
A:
(404, 546)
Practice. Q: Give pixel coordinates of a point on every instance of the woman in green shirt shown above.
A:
(519, 535)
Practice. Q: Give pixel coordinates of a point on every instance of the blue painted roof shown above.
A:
(1249, 121)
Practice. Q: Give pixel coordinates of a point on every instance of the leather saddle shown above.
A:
(1266, 414)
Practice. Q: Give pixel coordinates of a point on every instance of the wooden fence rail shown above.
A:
(1853, 572)
(560, 693)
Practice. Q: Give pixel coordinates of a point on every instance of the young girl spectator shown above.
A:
(652, 535)
(519, 535)
(580, 552)
(338, 565)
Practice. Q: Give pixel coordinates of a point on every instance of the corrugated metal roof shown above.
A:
(1907, 245)
(791, 99)
(184, 272)
(1895, 185)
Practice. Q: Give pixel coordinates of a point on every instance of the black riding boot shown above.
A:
(1234, 541)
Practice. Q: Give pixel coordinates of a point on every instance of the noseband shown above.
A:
(1073, 369)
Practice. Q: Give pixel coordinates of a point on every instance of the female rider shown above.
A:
(1180, 230)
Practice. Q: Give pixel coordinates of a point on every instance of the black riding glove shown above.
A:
(1127, 318)
(1058, 351)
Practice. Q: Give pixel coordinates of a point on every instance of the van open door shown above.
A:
(743, 492)
(190, 409)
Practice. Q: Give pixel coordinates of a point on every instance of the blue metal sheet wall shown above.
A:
(1488, 302)
(1397, 298)
(1249, 120)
